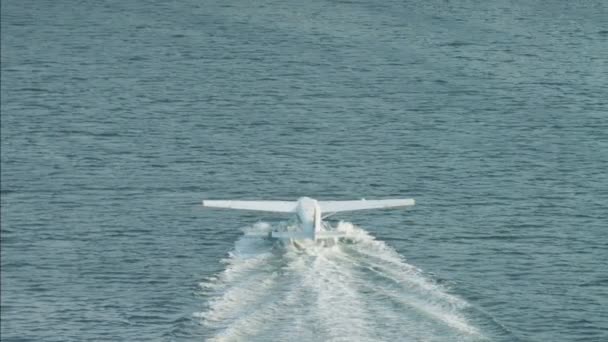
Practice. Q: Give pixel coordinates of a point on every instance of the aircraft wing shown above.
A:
(338, 206)
(273, 206)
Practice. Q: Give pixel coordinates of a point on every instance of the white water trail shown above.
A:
(359, 289)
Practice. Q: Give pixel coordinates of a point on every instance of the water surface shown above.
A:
(118, 117)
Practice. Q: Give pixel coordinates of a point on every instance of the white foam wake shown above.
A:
(359, 289)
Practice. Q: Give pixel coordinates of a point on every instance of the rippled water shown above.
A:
(118, 117)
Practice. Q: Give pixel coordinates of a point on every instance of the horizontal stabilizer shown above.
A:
(329, 235)
(272, 206)
(339, 206)
(290, 235)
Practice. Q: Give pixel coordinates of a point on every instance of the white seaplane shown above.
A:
(309, 213)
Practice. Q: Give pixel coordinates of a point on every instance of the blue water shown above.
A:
(118, 117)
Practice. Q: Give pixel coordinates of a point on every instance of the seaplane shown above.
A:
(309, 213)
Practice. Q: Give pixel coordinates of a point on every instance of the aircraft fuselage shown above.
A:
(308, 213)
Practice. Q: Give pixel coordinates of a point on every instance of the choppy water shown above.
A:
(118, 117)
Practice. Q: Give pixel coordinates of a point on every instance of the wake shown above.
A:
(359, 289)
